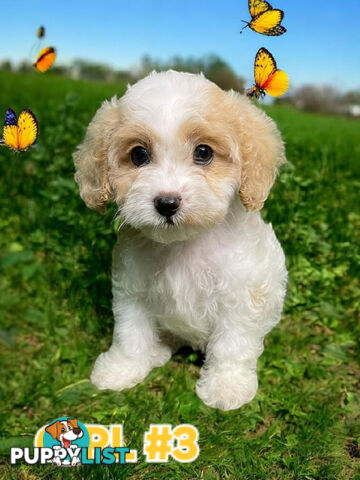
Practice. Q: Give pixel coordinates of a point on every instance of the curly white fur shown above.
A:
(216, 278)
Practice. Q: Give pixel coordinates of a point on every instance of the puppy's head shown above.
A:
(174, 152)
(65, 429)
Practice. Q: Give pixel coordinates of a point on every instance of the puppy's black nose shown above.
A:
(167, 205)
(77, 431)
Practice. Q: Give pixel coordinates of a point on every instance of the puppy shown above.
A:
(65, 432)
(189, 167)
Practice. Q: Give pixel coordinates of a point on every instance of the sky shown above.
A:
(321, 45)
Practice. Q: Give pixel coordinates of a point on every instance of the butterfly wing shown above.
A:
(264, 66)
(277, 83)
(46, 59)
(276, 31)
(11, 131)
(258, 6)
(268, 23)
(28, 129)
(11, 136)
(10, 117)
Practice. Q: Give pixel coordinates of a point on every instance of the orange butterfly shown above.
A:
(46, 59)
(268, 79)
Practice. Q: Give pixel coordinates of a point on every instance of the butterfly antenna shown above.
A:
(247, 24)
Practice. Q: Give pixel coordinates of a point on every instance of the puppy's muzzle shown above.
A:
(167, 205)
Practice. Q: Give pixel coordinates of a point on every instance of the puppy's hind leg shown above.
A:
(135, 350)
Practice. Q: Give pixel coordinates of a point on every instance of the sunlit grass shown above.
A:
(55, 307)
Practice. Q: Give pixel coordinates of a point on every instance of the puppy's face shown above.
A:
(171, 168)
(65, 430)
(171, 155)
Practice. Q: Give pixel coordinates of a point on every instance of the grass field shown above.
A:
(55, 308)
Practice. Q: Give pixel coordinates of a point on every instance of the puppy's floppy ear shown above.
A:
(91, 156)
(261, 150)
(54, 429)
(73, 422)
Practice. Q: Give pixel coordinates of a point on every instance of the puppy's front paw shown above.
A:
(226, 387)
(115, 371)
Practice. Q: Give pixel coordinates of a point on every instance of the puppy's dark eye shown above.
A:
(203, 155)
(140, 156)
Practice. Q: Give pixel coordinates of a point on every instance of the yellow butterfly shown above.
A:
(268, 79)
(45, 59)
(19, 133)
(265, 19)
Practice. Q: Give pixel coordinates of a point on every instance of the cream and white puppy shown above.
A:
(189, 167)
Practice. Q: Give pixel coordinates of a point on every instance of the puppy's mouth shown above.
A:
(66, 443)
(171, 222)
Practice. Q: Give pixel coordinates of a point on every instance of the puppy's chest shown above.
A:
(182, 291)
(183, 286)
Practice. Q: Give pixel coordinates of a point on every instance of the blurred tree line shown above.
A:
(311, 98)
(323, 99)
(212, 66)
